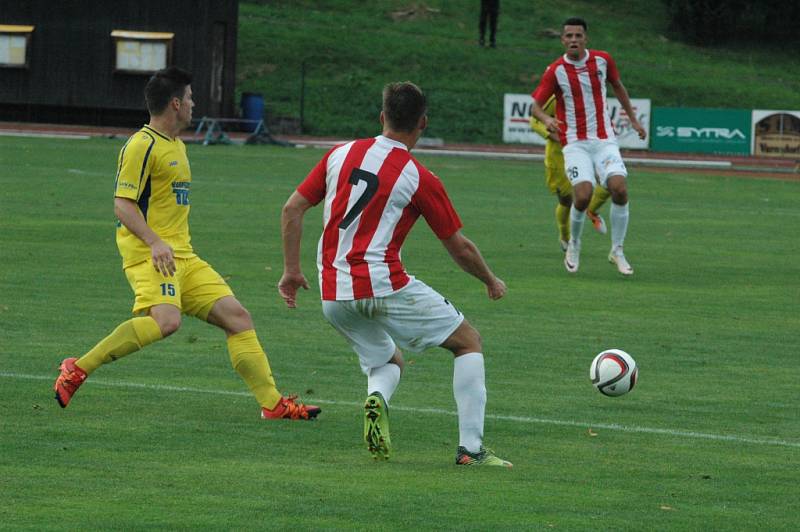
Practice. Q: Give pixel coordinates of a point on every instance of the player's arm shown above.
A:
(292, 233)
(551, 123)
(467, 255)
(539, 127)
(128, 213)
(541, 97)
(622, 95)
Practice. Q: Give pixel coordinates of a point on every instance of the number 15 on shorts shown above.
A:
(167, 289)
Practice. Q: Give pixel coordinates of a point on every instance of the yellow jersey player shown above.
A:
(558, 183)
(151, 202)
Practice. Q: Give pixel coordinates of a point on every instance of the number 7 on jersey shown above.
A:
(372, 186)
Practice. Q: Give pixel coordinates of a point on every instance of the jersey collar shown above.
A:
(393, 143)
(580, 61)
(157, 132)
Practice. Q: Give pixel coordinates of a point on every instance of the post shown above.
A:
(302, 94)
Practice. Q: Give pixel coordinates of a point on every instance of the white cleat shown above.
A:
(573, 257)
(598, 222)
(616, 256)
(563, 244)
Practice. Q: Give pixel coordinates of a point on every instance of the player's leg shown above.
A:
(563, 207)
(132, 335)
(418, 317)
(619, 215)
(580, 171)
(494, 11)
(469, 389)
(599, 198)
(207, 296)
(382, 381)
(613, 175)
(156, 296)
(380, 360)
(557, 183)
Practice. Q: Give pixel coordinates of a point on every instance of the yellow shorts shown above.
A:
(194, 288)
(556, 180)
(554, 175)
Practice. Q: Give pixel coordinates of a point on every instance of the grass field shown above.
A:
(352, 48)
(170, 438)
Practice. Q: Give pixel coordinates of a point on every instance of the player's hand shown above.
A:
(640, 130)
(496, 289)
(553, 125)
(288, 285)
(163, 258)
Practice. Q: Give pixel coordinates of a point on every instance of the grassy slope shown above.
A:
(710, 316)
(352, 48)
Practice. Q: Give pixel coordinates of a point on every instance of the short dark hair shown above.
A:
(403, 105)
(163, 86)
(575, 21)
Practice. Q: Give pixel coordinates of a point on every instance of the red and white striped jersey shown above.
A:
(373, 191)
(580, 89)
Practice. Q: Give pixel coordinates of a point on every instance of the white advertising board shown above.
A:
(517, 114)
(776, 133)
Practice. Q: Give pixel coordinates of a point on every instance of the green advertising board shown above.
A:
(720, 131)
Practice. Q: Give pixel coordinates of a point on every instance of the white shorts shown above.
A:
(584, 158)
(415, 317)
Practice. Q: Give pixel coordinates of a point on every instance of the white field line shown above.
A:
(486, 154)
(439, 411)
(42, 134)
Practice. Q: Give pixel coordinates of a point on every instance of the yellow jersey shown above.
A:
(153, 170)
(553, 157)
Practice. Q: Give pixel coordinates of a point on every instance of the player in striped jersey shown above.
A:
(151, 201)
(557, 182)
(578, 80)
(372, 191)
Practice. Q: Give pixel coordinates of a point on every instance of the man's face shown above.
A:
(185, 107)
(574, 40)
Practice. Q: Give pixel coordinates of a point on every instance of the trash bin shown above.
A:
(252, 109)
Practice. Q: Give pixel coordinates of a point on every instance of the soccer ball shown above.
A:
(614, 372)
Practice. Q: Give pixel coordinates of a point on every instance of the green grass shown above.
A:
(170, 438)
(351, 49)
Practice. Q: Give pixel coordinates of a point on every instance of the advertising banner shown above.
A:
(694, 130)
(517, 113)
(516, 120)
(776, 133)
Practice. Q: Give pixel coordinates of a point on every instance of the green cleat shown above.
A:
(376, 427)
(484, 457)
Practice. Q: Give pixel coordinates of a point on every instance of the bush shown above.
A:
(719, 21)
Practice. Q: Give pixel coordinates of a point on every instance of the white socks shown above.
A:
(384, 380)
(576, 219)
(469, 389)
(619, 224)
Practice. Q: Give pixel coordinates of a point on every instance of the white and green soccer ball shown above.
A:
(614, 372)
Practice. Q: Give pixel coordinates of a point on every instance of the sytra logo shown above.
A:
(688, 132)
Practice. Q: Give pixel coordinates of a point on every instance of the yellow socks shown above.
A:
(130, 336)
(599, 197)
(562, 221)
(250, 362)
(247, 356)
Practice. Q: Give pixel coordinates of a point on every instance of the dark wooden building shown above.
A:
(87, 61)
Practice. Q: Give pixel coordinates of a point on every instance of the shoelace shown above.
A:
(72, 379)
(294, 410)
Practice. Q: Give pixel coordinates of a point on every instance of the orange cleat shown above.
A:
(289, 408)
(597, 222)
(68, 381)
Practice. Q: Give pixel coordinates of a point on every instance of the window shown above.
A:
(142, 51)
(14, 42)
